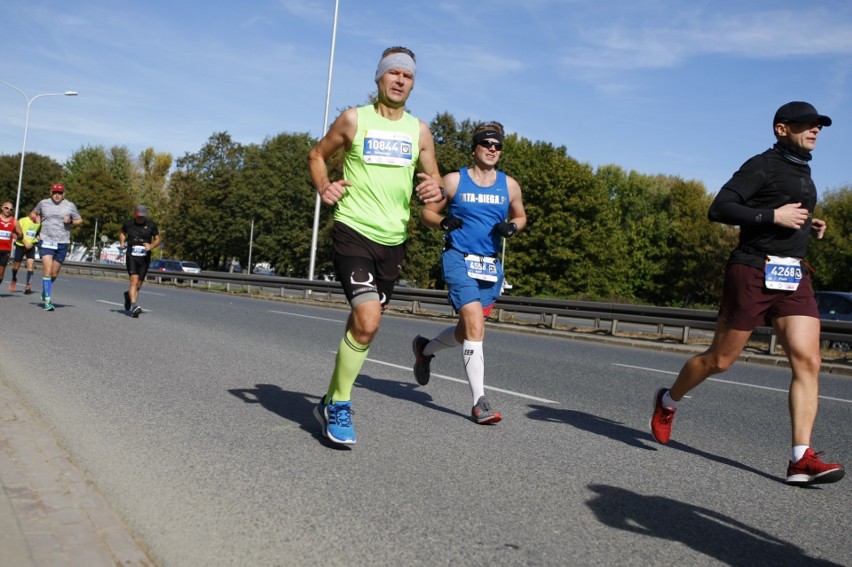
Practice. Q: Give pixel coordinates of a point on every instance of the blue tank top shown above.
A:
(480, 208)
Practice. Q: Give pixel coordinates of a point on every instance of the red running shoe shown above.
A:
(811, 470)
(661, 421)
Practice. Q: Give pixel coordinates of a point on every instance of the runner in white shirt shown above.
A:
(58, 216)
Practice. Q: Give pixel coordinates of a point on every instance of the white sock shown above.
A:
(798, 452)
(474, 366)
(445, 339)
(667, 400)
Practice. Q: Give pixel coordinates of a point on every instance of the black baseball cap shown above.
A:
(798, 112)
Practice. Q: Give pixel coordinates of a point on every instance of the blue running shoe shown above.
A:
(336, 421)
(48, 306)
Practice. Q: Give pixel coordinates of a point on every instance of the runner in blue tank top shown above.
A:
(480, 198)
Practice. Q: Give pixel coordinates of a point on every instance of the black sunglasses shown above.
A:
(488, 144)
(809, 125)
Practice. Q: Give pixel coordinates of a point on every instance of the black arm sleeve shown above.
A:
(728, 208)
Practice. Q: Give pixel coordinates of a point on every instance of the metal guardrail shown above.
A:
(549, 310)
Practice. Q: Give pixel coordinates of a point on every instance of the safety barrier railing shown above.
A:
(606, 316)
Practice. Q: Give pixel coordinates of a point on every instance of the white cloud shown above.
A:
(647, 43)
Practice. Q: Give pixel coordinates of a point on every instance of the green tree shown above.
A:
(639, 235)
(280, 199)
(40, 173)
(831, 257)
(153, 181)
(698, 248)
(102, 200)
(208, 193)
(122, 166)
(567, 248)
(100, 182)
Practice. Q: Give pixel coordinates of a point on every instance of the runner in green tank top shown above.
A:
(385, 146)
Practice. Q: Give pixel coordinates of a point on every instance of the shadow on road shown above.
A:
(706, 531)
(409, 391)
(617, 431)
(614, 430)
(293, 406)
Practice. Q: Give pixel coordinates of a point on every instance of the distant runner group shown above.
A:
(48, 229)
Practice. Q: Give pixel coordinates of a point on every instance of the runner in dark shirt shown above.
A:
(137, 238)
(771, 198)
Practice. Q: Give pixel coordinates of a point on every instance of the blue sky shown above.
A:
(657, 86)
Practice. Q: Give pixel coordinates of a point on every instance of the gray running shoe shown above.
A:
(422, 363)
(136, 312)
(482, 412)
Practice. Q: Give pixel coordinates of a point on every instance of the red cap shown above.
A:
(58, 188)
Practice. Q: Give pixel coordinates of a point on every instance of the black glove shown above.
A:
(506, 229)
(450, 223)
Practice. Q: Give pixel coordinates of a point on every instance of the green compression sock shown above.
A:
(350, 357)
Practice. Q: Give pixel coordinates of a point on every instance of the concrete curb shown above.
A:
(50, 513)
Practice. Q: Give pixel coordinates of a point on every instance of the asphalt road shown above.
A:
(195, 422)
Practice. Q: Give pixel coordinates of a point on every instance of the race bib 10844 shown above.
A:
(782, 273)
(387, 148)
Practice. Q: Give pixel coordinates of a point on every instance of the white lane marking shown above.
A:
(782, 390)
(152, 293)
(308, 316)
(451, 379)
(643, 368)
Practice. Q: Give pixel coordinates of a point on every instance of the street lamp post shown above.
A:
(26, 128)
(251, 243)
(318, 201)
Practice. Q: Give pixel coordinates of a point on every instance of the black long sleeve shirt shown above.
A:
(765, 182)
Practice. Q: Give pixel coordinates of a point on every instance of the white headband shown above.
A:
(395, 61)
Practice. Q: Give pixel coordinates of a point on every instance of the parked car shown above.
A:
(190, 267)
(165, 266)
(835, 306)
(263, 269)
(168, 265)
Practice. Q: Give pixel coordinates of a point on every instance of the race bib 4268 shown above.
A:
(782, 273)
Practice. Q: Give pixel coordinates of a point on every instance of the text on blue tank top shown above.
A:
(479, 208)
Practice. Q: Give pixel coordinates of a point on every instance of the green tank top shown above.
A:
(30, 230)
(380, 165)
